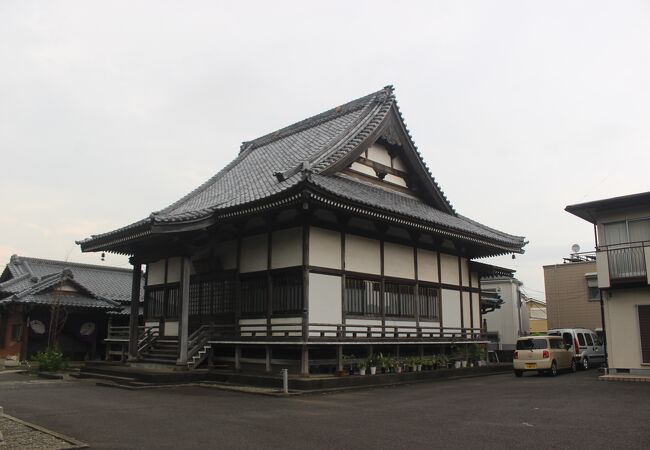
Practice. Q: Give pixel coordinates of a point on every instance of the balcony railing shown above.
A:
(626, 262)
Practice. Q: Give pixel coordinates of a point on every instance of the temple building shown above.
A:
(324, 238)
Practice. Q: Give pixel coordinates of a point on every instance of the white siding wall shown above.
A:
(324, 248)
(476, 302)
(427, 265)
(324, 298)
(362, 254)
(254, 253)
(171, 328)
(174, 269)
(378, 153)
(464, 269)
(467, 314)
(622, 325)
(398, 261)
(287, 248)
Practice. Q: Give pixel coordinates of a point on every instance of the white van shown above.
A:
(587, 347)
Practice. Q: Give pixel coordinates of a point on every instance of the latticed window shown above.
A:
(287, 293)
(254, 294)
(399, 300)
(211, 297)
(155, 302)
(173, 302)
(362, 297)
(429, 302)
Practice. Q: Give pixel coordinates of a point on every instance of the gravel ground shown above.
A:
(21, 437)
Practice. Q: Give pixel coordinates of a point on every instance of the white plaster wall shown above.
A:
(474, 279)
(449, 269)
(153, 323)
(398, 261)
(324, 298)
(174, 267)
(379, 153)
(464, 270)
(362, 254)
(395, 180)
(287, 248)
(622, 325)
(505, 320)
(253, 253)
(156, 272)
(467, 316)
(324, 248)
(476, 302)
(399, 164)
(450, 308)
(227, 253)
(363, 169)
(427, 265)
(171, 328)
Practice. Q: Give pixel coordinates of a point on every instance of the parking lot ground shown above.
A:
(500, 411)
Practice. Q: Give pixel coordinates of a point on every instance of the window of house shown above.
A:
(254, 294)
(287, 293)
(362, 297)
(16, 332)
(211, 296)
(593, 293)
(627, 231)
(399, 300)
(429, 303)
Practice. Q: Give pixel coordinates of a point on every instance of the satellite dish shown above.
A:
(575, 248)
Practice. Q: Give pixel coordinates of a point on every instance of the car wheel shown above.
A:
(574, 366)
(553, 371)
(519, 373)
(585, 363)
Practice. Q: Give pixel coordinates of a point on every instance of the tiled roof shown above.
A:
(279, 161)
(409, 206)
(31, 280)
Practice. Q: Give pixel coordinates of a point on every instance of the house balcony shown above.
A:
(623, 264)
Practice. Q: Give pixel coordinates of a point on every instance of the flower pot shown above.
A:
(419, 366)
(373, 370)
(456, 364)
(362, 371)
(464, 363)
(482, 363)
(398, 369)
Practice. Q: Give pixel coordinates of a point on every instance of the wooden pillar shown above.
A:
(135, 309)
(304, 361)
(339, 358)
(269, 357)
(305, 279)
(237, 358)
(183, 322)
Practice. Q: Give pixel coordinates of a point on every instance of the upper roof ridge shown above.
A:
(318, 119)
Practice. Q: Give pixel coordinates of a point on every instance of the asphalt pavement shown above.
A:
(499, 411)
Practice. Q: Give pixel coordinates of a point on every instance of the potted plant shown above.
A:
(372, 363)
(362, 367)
(398, 366)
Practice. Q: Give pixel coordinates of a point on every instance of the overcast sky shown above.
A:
(112, 110)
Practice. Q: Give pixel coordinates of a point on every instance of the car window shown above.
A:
(588, 337)
(596, 339)
(531, 344)
(555, 343)
(568, 339)
(581, 339)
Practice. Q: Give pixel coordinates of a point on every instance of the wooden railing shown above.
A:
(147, 337)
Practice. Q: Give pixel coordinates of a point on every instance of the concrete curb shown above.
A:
(75, 443)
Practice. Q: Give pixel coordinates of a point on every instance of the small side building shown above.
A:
(510, 321)
(572, 294)
(622, 230)
(537, 315)
(76, 301)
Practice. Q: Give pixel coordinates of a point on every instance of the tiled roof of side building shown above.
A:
(112, 283)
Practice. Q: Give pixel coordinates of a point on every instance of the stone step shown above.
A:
(156, 360)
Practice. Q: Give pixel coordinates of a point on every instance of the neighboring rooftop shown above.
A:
(590, 211)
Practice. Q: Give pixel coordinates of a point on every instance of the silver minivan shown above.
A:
(585, 344)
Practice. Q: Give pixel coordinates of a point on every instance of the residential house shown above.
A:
(622, 230)
(537, 315)
(572, 294)
(510, 321)
(324, 238)
(43, 301)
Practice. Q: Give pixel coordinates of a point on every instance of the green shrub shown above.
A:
(50, 360)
